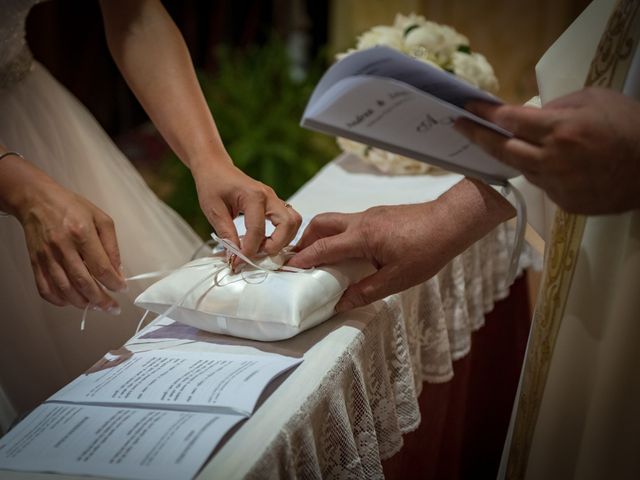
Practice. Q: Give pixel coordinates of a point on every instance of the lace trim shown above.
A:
(369, 399)
(16, 69)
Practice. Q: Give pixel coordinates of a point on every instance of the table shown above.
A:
(348, 405)
(346, 408)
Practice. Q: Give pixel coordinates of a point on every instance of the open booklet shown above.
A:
(159, 414)
(383, 98)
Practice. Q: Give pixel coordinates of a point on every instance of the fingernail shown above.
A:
(114, 310)
(95, 308)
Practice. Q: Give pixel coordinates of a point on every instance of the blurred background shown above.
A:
(258, 61)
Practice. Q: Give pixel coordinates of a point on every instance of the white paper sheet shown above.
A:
(113, 442)
(180, 380)
(386, 99)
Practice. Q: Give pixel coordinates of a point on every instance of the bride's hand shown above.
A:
(224, 192)
(72, 243)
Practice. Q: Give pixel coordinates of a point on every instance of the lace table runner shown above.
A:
(345, 409)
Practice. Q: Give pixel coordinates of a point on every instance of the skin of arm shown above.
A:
(153, 58)
(407, 244)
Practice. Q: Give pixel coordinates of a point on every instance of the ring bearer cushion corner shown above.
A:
(253, 303)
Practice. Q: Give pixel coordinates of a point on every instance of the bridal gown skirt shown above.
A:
(41, 345)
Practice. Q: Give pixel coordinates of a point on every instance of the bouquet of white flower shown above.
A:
(439, 45)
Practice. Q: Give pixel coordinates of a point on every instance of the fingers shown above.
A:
(220, 219)
(63, 286)
(254, 215)
(326, 251)
(323, 225)
(45, 288)
(85, 284)
(107, 233)
(520, 154)
(374, 287)
(62, 278)
(527, 123)
(92, 252)
(287, 222)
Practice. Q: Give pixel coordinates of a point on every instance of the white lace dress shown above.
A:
(41, 346)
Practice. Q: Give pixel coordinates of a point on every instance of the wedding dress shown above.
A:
(41, 345)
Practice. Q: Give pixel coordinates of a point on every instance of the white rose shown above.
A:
(381, 35)
(384, 161)
(393, 164)
(340, 56)
(350, 146)
(453, 39)
(403, 22)
(438, 42)
(475, 69)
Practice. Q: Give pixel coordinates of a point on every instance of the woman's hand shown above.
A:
(72, 243)
(153, 58)
(224, 192)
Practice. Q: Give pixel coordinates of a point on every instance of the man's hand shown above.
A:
(407, 244)
(583, 149)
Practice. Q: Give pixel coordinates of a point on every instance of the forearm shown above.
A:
(153, 58)
(20, 183)
(471, 209)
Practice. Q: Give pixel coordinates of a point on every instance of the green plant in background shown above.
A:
(257, 107)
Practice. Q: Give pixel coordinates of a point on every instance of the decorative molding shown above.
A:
(616, 46)
(562, 257)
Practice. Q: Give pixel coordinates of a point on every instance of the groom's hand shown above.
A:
(407, 244)
(583, 149)
(393, 239)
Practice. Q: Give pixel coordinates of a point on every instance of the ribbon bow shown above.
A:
(264, 269)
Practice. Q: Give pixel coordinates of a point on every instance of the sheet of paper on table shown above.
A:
(157, 415)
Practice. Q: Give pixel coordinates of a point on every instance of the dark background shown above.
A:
(67, 36)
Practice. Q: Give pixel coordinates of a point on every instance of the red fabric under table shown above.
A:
(465, 421)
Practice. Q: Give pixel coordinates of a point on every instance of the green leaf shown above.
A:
(409, 29)
(464, 49)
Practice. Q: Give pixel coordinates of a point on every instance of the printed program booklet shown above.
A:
(386, 99)
(157, 415)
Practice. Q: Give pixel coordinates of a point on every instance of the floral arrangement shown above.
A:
(439, 45)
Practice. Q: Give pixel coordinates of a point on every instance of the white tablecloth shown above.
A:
(346, 407)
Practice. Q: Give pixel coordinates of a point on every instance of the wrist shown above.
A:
(476, 207)
(204, 162)
(20, 185)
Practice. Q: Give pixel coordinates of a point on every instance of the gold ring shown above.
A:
(231, 259)
(287, 205)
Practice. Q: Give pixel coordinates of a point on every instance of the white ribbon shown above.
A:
(521, 224)
(231, 249)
